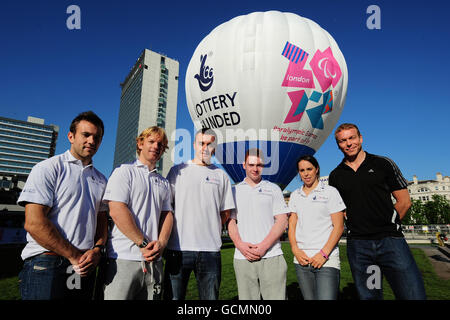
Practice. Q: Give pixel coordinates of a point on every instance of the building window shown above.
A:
(5, 184)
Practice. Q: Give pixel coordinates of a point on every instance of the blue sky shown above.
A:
(398, 75)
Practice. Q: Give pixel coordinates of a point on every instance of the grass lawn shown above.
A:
(436, 288)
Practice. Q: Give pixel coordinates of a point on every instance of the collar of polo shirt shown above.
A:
(190, 162)
(70, 158)
(319, 188)
(256, 185)
(140, 164)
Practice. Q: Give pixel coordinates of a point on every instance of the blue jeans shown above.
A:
(371, 259)
(318, 284)
(45, 277)
(207, 269)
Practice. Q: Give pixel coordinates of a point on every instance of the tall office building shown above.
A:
(149, 97)
(22, 145)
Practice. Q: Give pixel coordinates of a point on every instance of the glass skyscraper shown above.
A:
(22, 145)
(149, 97)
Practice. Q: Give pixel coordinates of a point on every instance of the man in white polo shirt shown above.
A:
(64, 218)
(255, 227)
(203, 198)
(139, 202)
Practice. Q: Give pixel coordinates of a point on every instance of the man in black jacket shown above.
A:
(375, 242)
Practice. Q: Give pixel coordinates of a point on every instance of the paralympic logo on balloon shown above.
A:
(326, 69)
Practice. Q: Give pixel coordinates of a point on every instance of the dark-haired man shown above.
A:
(202, 201)
(375, 242)
(64, 218)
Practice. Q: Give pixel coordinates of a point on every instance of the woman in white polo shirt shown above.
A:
(316, 224)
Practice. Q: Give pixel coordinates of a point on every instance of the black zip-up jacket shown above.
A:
(367, 195)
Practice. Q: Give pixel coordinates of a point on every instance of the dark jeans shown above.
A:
(179, 265)
(371, 259)
(318, 284)
(46, 277)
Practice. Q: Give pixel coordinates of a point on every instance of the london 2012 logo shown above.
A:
(326, 70)
(205, 76)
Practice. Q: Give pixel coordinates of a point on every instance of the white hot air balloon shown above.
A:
(271, 80)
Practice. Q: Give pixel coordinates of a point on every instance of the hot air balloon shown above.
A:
(272, 80)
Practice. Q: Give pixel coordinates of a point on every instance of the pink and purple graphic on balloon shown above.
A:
(326, 69)
(327, 72)
(296, 75)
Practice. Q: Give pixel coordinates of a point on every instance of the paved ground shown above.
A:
(439, 260)
(439, 257)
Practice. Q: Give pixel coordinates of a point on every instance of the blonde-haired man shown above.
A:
(156, 131)
(367, 183)
(139, 203)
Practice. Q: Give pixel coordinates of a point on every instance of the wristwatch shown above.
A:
(143, 244)
(102, 248)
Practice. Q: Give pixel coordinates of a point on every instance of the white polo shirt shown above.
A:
(200, 194)
(255, 210)
(73, 192)
(146, 193)
(314, 223)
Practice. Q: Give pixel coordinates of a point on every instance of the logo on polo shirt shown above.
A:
(371, 170)
(157, 182)
(96, 181)
(320, 198)
(212, 180)
(29, 190)
(266, 192)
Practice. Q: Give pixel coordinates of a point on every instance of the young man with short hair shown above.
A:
(375, 238)
(256, 225)
(64, 218)
(139, 202)
(202, 201)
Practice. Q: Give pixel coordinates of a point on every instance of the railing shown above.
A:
(424, 232)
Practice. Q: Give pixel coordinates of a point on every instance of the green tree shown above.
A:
(437, 210)
(415, 214)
